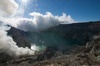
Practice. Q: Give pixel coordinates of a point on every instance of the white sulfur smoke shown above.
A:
(7, 45)
(37, 48)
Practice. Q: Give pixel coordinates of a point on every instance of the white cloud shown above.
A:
(8, 7)
(38, 22)
(65, 18)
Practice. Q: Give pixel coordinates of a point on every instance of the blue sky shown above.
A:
(80, 10)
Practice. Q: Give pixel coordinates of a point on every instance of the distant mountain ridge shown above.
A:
(84, 31)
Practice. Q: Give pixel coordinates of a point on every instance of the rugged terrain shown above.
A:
(84, 52)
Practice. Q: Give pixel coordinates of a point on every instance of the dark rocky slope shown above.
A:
(82, 32)
(17, 36)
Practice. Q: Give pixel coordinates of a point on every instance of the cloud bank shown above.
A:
(39, 21)
(8, 7)
(7, 45)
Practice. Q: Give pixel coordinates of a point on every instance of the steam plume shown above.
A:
(7, 45)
